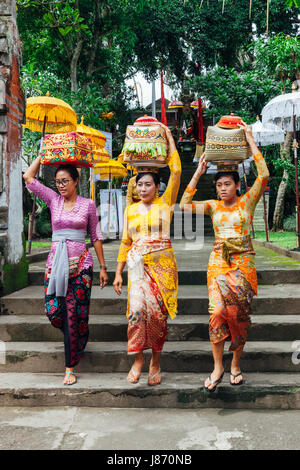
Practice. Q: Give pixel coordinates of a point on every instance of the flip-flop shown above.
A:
(136, 376)
(68, 373)
(151, 377)
(215, 383)
(234, 376)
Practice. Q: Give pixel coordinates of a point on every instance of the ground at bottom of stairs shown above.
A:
(74, 428)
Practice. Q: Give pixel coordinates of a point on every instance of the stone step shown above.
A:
(187, 277)
(180, 356)
(192, 300)
(114, 328)
(184, 390)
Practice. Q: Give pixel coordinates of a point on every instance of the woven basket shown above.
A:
(146, 144)
(226, 145)
(67, 149)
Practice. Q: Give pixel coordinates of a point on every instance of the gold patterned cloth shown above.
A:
(150, 232)
(71, 148)
(232, 246)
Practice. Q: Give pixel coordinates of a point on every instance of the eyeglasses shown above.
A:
(62, 183)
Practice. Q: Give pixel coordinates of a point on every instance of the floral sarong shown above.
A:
(230, 297)
(71, 314)
(147, 319)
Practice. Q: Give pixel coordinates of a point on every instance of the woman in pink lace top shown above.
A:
(69, 274)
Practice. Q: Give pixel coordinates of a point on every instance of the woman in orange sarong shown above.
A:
(152, 268)
(231, 274)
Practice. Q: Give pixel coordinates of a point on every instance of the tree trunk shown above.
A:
(74, 63)
(278, 212)
(279, 205)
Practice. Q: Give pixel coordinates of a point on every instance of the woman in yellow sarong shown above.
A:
(152, 268)
(231, 275)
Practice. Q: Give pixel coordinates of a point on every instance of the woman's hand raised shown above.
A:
(202, 165)
(248, 132)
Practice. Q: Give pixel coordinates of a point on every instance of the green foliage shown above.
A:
(290, 3)
(227, 90)
(278, 57)
(289, 223)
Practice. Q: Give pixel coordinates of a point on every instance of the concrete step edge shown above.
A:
(120, 319)
(180, 390)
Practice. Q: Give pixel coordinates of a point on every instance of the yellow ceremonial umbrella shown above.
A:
(51, 115)
(129, 167)
(100, 154)
(97, 138)
(110, 169)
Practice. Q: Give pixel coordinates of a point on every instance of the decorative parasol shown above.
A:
(195, 104)
(266, 135)
(175, 104)
(97, 138)
(110, 169)
(284, 111)
(281, 111)
(100, 154)
(50, 115)
(128, 167)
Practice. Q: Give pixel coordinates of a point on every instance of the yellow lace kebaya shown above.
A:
(150, 234)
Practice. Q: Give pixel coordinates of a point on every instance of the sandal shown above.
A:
(152, 382)
(215, 383)
(136, 376)
(68, 373)
(234, 376)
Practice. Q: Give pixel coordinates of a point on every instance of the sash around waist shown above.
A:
(139, 248)
(59, 277)
(148, 245)
(231, 246)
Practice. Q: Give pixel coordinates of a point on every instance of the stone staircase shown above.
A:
(33, 370)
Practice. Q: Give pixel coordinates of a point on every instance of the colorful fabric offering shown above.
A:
(69, 148)
(231, 274)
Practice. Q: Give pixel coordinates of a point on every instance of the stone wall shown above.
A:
(13, 265)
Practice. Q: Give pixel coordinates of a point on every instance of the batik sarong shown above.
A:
(71, 314)
(147, 316)
(230, 297)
